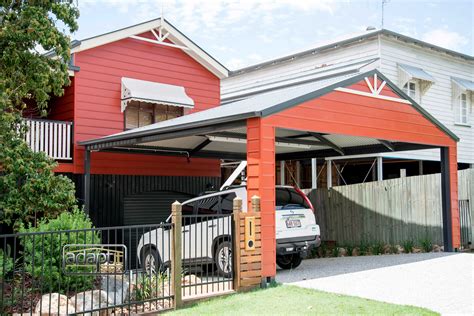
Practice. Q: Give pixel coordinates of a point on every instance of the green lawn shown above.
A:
(292, 300)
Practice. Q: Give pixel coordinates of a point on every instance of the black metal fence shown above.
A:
(121, 270)
(465, 223)
(207, 247)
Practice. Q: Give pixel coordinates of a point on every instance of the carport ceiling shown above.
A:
(289, 144)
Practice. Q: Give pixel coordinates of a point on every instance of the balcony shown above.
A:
(52, 137)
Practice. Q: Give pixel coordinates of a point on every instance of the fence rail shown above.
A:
(52, 137)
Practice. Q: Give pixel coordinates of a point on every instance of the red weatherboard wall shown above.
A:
(62, 108)
(97, 89)
(338, 113)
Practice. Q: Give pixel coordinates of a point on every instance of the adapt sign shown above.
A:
(94, 259)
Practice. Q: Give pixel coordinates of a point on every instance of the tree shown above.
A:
(28, 186)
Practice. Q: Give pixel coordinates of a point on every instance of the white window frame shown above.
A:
(417, 89)
(462, 117)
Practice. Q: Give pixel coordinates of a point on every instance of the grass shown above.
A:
(292, 300)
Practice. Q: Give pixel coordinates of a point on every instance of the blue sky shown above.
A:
(241, 33)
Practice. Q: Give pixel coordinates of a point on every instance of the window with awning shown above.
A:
(146, 102)
(462, 100)
(411, 77)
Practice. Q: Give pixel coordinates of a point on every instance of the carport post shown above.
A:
(87, 180)
(329, 173)
(446, 200)
(261, 182)
(314, 173)
(379, 168)
(282, 172)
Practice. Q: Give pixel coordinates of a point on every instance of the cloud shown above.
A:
(445, 38)
(250, 59)
(214, 14)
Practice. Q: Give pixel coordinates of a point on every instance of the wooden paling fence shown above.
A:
(390, 211)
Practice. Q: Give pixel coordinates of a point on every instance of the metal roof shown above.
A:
(256, 106)
(345, 41)
(260, 105)
(417, 73)
(285, 80)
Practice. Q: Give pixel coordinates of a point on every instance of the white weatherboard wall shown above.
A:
(437, 100)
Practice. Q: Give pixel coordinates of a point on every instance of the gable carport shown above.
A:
(356, 113)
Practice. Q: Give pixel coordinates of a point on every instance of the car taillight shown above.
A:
(305, 197)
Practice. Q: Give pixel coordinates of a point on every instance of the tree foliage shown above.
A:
(28, 186)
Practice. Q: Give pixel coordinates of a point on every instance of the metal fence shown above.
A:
(207, 247)
(121, 270)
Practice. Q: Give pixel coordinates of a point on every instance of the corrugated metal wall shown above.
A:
(108, 192)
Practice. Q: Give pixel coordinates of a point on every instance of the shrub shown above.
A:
(377, 248)
(426, 244)
(6, 262)
(149, 286)
(42, 252)
(349, 249)
(335, 251)
(364, 247)
(323, 249)
(394, 249)
(408, 245)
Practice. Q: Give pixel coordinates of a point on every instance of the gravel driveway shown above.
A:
(441, 282)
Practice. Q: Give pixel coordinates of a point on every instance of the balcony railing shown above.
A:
(52, 137)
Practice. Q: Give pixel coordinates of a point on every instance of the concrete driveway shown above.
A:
(441, 282)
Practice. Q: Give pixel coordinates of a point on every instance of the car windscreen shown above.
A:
(289, 198)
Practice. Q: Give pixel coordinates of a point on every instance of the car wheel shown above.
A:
(289, 261)
(223, 259)
(151, 261)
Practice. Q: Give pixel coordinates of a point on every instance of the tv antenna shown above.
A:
(384, 2)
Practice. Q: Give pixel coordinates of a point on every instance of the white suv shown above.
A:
(206, 233)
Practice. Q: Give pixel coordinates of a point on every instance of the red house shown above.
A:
(150, 73)
(111, 76)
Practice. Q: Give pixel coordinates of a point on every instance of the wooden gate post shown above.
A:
(237, 207)
(255, 204)
(176, 260)
(247, 261)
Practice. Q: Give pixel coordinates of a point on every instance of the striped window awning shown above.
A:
(153, 92)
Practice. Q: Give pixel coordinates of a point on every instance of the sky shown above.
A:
(245, 32)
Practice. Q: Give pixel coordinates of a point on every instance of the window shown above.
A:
(187, 212)
(410, 89)
(463, 108)
(208, 205)
(138, 114)
(227, 203)
(289, 198)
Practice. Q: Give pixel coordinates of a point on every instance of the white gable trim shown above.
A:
(371, 95)
(175, 36)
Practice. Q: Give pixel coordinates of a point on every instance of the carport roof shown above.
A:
(235, 113)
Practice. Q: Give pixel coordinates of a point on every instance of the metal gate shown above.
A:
(207, 248)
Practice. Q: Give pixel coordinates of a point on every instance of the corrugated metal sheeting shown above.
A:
(109, 191)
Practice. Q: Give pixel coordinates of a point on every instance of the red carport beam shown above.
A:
(261, 182)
